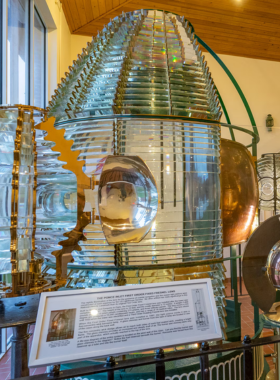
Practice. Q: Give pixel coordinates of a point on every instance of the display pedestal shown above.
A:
(19, 351)
(19, 313)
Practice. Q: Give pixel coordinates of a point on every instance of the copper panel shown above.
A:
(239, 192)
(258, 282)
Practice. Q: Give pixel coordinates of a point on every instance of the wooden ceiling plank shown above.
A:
(125, 7)
(220, 18)
(273, 49)
(81, 11)
(88, 10)
(246, 8)
(231, 44)
(68, 16)
(235, 22)
(251, 37)
(95, 8)
(241, 9)
(102, 7)
(74, 13)
(206, 14)
(259, 27)
(225, 28)
(266, 3)
(116, 3)
(101, 16)
(108, 5)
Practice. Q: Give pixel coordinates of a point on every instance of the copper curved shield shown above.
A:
(239, 192)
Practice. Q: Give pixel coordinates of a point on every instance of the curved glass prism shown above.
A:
(127, 199)
(143, 62)
(268, 168)
(142, 88)
(273, 265)
(184, 159)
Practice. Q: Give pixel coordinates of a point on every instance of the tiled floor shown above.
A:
(247, 328)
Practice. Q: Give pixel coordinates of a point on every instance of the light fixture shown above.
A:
(269, 122)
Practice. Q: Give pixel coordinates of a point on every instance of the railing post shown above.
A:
(256, 316)
(240, 269)
(204, 362)
(160, 366)
(248, 360)
(110, 362)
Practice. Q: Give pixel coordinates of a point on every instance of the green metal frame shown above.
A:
(254, 134)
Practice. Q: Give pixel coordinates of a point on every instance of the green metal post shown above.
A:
(256, 316)
(226, 115)
(234, 285)
(254, 147)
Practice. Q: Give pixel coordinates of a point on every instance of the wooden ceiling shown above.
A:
(247, 28)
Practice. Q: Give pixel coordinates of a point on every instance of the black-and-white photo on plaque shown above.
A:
(95, 323)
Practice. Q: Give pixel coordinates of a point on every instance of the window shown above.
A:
(17, 52)
(24, 51)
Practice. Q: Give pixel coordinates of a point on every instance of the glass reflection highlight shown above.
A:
(127, 199)
(273, 265)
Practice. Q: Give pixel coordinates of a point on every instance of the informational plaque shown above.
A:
(94, 323)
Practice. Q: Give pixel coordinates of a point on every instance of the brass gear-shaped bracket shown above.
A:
(69, 156)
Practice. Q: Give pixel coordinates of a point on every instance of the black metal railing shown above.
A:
(161, 358)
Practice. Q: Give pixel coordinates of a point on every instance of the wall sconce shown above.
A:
(269, 122)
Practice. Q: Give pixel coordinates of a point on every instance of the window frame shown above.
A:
(5, 334)
(1, 49)
(36, 11)
(30, 46)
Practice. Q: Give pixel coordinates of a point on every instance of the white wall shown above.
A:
(58, 42)
(62, 47)
(77, 44)
(260, 83)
